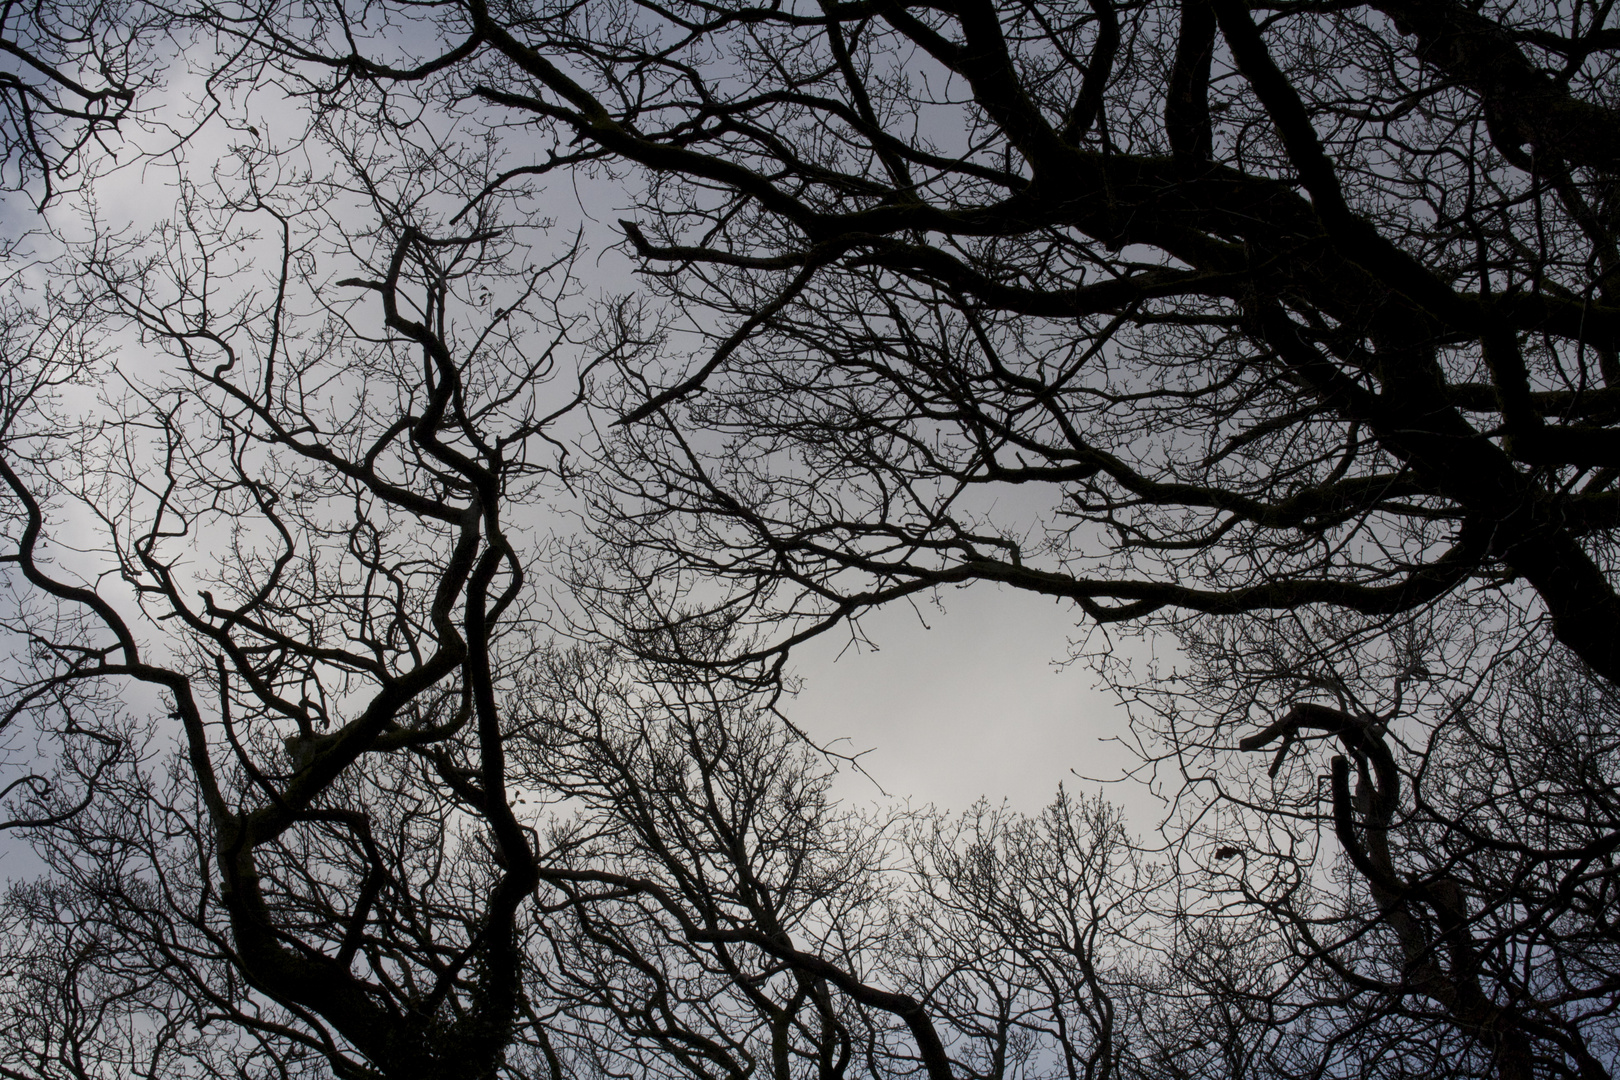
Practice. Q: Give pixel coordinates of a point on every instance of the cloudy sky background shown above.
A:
(970, 701)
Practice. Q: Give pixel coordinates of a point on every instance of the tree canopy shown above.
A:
(467, 583)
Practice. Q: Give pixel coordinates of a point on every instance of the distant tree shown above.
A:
(704, 909)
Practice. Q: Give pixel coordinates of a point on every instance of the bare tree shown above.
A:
(70, 73)
(1308, 312)
(1468, 833)
(312, 519)
(703, 908)
(1289, 327)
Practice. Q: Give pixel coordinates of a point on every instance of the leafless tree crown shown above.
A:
(1290, 330)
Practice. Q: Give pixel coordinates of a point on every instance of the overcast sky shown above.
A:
(967, 702)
